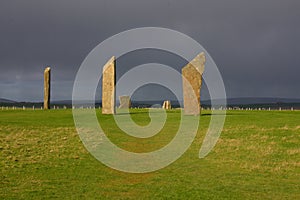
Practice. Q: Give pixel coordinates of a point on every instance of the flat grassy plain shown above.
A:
(256, 157)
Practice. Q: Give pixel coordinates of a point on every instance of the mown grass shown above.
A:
(256, 157)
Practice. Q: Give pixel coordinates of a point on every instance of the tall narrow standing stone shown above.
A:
(125, 102)
(47, 80)
(108, 87)
(192, 75)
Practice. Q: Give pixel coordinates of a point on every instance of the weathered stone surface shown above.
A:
(47, 76)
(166, 105)
(125, 102)
(108, 87)
(192, 75)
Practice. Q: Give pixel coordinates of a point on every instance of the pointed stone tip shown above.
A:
(198, 62)
(202, 57)
(110, 61)
(47, 69)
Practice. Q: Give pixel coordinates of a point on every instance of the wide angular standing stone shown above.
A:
(108, 87)
(125, 102)
(192, 76)
(47, 76)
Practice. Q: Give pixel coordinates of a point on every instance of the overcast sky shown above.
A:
(255, 44)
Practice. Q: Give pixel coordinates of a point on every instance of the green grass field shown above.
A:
(256, 157)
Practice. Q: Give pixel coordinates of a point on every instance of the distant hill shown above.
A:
(63, 102)
(253, 100)
(250, 102)
(2, 100)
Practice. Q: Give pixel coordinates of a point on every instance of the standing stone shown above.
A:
(108, 87)
(125, 102)
(47, 80)
(192, 75)
(166, 105)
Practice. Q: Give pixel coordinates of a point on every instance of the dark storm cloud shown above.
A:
(254, 43)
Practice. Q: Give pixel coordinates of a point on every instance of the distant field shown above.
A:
(256, 157)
